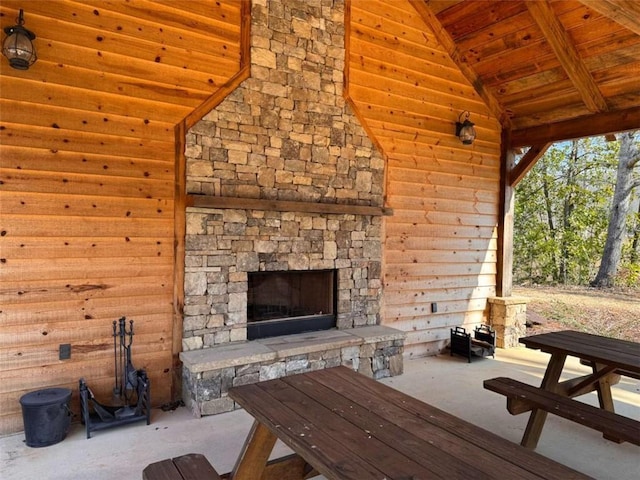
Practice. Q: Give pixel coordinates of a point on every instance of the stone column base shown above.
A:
(508, 316)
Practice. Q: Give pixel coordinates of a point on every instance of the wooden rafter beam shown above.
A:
(624, 12)
(526, 163)
(587, 126)
(568, 56)
(450, 46)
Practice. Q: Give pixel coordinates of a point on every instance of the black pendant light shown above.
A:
(18, 46)
(465, 130)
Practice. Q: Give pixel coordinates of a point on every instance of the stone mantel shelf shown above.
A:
(210, 201)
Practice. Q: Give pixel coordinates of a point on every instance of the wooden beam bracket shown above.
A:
(526, 163)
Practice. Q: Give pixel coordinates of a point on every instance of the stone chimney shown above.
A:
(288, 134)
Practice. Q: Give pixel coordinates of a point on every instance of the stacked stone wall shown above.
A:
(286, 134)
(223, 246)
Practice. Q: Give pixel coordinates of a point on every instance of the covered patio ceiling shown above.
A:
(549, 70)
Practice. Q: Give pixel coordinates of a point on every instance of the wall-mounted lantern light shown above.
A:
(465, 130)
(17, 46)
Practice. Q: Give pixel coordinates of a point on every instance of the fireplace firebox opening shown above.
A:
(288, 302)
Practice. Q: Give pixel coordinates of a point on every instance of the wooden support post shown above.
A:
(504, 280)
(179, 232)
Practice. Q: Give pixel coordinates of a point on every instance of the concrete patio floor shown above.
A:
(449, 383)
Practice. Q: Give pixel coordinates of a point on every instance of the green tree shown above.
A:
(627, 179)
(561, 212)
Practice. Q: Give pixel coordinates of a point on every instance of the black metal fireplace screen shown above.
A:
(287, 302)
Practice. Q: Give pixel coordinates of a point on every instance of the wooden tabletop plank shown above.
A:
(357, 413)
(506, 450)
(403, 428)
(291, 428)
(599, 341)
(610, 351)
(351, 427)
(441, 452)
(358, 442)
(589, 340)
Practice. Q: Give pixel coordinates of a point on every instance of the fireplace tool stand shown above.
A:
(131, 400)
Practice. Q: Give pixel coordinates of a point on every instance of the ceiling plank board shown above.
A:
(450, 46)
(567, 55)
(626, 13)
(586, 126)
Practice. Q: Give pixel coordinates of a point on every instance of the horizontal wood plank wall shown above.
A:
(87, 166)
(440, 243)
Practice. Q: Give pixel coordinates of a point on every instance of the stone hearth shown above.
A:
(209, 373)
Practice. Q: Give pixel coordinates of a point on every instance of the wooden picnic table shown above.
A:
(346, 426)
(609, 358)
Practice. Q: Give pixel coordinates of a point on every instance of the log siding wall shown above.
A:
(87, 170)
(440, 243)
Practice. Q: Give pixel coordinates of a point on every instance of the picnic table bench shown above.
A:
(523, 397)
(192, 466)
(195, 466)
(608, 357)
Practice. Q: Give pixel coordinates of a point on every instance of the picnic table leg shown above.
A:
(603, 388)
(255, 453)
(538, 416)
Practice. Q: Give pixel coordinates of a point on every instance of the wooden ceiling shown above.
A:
(549, 70)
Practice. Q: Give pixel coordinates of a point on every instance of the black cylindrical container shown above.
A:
(46, 416)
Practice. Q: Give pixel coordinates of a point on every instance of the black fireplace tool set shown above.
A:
(131, 401)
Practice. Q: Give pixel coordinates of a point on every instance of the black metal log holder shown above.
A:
(482, 344)
(131, 400)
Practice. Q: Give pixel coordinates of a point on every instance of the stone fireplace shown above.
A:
(287, 140)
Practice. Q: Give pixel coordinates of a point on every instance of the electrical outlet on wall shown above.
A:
(65, 351)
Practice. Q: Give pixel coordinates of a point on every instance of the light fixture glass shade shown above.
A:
(465, 130)
(467, 133)
(17, 46)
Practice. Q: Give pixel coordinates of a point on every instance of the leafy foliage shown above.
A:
(562, 212)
